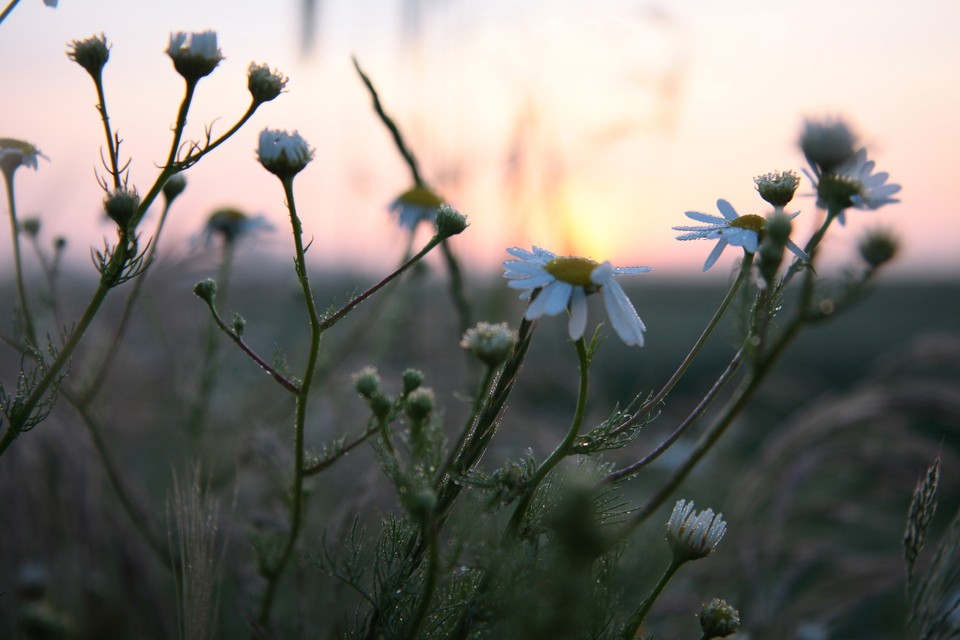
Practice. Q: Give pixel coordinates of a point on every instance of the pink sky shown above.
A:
(586, 127)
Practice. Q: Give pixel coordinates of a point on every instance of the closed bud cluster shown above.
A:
(693, 535)
(777, 187)
(91, 53)
(206, 290)
(490, 343)
(718, 619)
(827, 144)
(450, 222)
(264, 84)
(194, 55)
(173, 187)
(419, 404)
(878, 247)
(411, 379)
(239, 323)
(282, 153)
(121, 206)
(367, 382)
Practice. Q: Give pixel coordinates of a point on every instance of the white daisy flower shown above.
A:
(872, 190)
(563, 283)
(17, 153)
(416, 204)
(694, 535)
(282, 153)
(732, 229)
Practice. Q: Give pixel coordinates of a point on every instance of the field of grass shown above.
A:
(814, 479)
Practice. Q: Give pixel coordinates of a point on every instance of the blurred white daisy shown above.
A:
(17, 153)
(416, 204)
(563, 283)
(731, 229)
(872, 190)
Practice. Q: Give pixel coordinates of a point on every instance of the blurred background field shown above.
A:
(814, 479)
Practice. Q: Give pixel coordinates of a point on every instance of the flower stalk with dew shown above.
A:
(562, 284)
(285, 155)
(691, 536)
(13, 155)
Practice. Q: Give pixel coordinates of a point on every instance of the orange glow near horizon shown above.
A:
(585, 130)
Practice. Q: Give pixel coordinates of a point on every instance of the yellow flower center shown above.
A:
(420, 196)
(750, 222)
(572, 270)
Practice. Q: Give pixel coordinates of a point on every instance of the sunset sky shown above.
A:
(585, 128)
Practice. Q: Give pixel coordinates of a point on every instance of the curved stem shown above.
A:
(694, 350)
(564, 447)
(28, 328)
(10, 7)
(633, 624)
(296, 508)
(456, 286)
(630, 470)
(112, 149)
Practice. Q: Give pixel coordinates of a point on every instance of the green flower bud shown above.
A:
(878, 246)
(194, 55)
(718, 619)
(264, 85)
(490, 343)
(827, 144)
(419, 404)
(121, 206)
(91, 53)
(206, 290)
(777, 187)
(30, 226)
(239, 323)
(412, 379)
(173, 187)
(381, 406)
(450, 222)
(419, 503)
(367, 382)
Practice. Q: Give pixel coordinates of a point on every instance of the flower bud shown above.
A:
(490, 343)
(419, 502)
(693, 535)
(206, 290)
(878, 246)
(777, 187)
(282, 153)
(264, 85)
(412, 379)
(827, 144)
(718, 619)
(419, 404)
(194, 55)
(30, 226)
(91, 53)
(381, 406)
(450, 222)
(121, 206)
(239, 323)
(367, 382)
(173, 187)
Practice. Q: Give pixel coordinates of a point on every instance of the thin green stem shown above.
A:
(482, 391)
(339, 314)
(633, 624)
(296, 493)
(26, 316)
(195, 156)
(111, 143)
(429, 582)
(563, 449)
(647, 406)
(457, 290)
